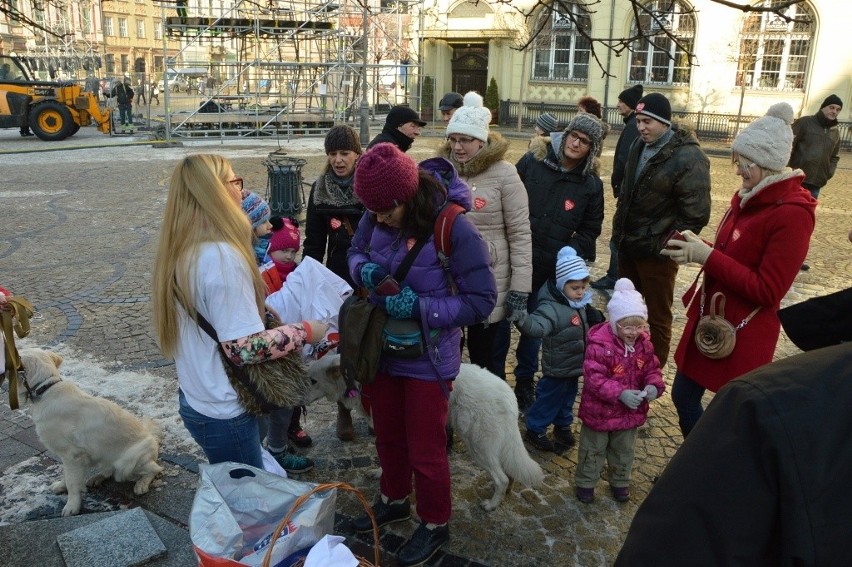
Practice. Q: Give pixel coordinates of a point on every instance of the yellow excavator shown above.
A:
(53, 110)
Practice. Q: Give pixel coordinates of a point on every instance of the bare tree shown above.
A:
(651, 23)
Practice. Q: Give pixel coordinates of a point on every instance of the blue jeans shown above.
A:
(125, 114)
(273, 428)
(686, 395)
(236, 439)
(554, 403)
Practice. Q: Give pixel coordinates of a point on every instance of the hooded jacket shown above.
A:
(759, 249)
(566, 207)
(501, 214)
(609, 369)
(816, 148)
(671, 192)
(563, 329)
(331, 205)
(440, 307)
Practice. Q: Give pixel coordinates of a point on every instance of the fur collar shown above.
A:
(492, 152)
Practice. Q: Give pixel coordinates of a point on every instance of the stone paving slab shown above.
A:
(126, 539)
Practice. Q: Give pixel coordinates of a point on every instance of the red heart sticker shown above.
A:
(478, 203)
(569, 204)
(410, 243)
(575, 320)
(335, 223)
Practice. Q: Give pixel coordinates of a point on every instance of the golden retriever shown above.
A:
(87, 433)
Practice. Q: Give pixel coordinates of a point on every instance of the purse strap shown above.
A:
(718, 298)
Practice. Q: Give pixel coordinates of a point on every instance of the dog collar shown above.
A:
(33, 394)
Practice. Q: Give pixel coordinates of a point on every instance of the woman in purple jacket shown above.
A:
(409, 396)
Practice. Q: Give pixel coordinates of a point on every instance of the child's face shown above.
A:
(286, 255)
(263, 229)
(628, 330)
(575, 289)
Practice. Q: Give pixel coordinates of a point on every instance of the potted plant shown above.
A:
(427, 111)
(492, 99)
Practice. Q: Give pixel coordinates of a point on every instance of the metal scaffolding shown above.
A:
(290, 67)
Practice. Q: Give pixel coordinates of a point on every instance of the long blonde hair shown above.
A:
(199, 209)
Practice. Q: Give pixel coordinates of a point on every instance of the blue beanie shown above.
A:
(569, 267)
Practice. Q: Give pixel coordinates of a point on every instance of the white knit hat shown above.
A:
(768, 140)
(569, 267)
(625, 302)
(471, 119)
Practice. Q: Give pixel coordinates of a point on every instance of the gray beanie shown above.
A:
(768, 140)
(548, 123)
(569, 267)
(589, 125)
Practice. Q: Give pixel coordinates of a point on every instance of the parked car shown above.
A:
(177, 82)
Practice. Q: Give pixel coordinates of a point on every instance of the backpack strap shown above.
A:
(443, 237)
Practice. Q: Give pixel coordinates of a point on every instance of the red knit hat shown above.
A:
(286, 237)
(385, 177)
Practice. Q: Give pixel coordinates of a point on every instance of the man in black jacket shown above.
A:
(666, 186)
(402, 126)
(123, 94)
(763, 479)
(626, 107)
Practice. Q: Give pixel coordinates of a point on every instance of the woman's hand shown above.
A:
(693, 249)
(318, 330)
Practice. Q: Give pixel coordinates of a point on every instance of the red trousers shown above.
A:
(409, 417)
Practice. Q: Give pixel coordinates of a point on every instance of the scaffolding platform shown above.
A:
(236, 27)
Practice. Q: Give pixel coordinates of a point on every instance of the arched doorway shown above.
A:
(470, 68)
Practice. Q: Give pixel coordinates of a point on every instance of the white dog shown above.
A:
(87, 433)
(483, 410)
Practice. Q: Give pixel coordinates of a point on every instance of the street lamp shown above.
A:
(365, 106)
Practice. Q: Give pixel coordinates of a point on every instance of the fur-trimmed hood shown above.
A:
(492, 152)
(546, 149)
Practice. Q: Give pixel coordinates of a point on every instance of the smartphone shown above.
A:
(388, 286)
(673, 235)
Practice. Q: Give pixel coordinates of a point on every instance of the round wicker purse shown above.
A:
(304, 498)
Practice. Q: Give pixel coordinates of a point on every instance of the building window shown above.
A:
(122, 27)
(773, 52)
(140, 29)
(125, 63)
(560, 51)
(158, 29)
(87, 19)
(110, 63)
(108, 31)
(158, 63)
(659, 59)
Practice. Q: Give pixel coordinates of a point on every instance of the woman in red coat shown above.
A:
(760, 245)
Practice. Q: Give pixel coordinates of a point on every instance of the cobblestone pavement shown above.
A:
(78, 231)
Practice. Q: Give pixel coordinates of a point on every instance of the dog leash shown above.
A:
(14, 319)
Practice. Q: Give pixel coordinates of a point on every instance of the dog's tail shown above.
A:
(518, 464)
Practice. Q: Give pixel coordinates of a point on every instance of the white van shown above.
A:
(177, 81)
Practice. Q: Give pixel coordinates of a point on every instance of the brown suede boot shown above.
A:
(345, 429)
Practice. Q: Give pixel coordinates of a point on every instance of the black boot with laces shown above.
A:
(423, 545)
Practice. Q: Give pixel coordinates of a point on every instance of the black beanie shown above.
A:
(832, 99)
(342, 138)
(631, 96)
(657, 107)
(400, 115)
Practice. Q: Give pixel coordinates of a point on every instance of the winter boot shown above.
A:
(345, 429)
(525, 393)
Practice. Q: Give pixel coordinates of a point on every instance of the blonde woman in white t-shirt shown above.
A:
(205, 262)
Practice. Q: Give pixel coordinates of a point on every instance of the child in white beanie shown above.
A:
(621, 375)
(563, 316)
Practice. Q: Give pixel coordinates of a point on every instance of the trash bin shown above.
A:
(284, 184)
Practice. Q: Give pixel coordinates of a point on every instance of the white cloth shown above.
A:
(311, 292)
(271, 465)
(224, 296)
(330, 552)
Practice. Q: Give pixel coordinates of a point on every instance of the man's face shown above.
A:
(410, 129)
(623, 109)
(649, 129)
(447, 114)
(831, 111)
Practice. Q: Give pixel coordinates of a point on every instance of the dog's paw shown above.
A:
(96, 480)
(58, 487)
(489, 505)
(141, 486)
(71, 509)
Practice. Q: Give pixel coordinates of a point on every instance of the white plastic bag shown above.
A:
(237, 506)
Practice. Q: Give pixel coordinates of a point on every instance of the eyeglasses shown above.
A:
(238, 181)
(744, 169)
(573, 137)
(632, 328)
(462, 141)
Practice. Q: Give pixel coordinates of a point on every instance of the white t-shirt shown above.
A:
(225, 297)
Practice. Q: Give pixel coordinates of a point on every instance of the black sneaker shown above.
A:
(423, 545)
(539, 440)
(606, 282)
(563, 438)
(385, 514)
(805, 267)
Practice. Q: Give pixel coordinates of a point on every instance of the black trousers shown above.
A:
(480, 345)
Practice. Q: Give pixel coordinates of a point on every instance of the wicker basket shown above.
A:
(320, 488)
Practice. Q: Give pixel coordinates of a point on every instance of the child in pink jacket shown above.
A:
(621, 374)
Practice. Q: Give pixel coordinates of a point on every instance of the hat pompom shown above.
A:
(624, 284)
(473, 99)
(781, 110)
